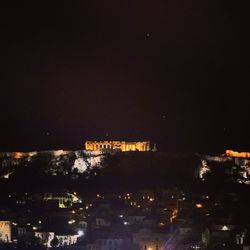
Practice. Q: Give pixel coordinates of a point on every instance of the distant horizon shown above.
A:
(159, 151)
(162, 146)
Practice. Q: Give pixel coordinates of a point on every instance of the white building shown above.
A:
(67, 239)
(64, 239)
(46, 237)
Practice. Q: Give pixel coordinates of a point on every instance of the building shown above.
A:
(5, 231)
(64, 238)
(46, 237)
(231, 153)
(111, 241)
(67, 239)
(118, 145)
(64, 200)
(102, 222)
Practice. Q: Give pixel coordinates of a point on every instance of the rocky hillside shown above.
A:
(90, 170)
(57, 162)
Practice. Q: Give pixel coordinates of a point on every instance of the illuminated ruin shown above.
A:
(118, 145)
(5, 231)
(232, 153)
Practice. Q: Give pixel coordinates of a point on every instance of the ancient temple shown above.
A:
(118, 145)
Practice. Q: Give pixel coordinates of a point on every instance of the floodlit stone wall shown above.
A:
(232, 153)
(117, 145)
(5, 231)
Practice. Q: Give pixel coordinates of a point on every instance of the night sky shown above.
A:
(174, 72)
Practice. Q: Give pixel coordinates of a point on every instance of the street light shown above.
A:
(80, 233)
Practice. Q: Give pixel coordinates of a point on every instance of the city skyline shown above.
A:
(124, 125)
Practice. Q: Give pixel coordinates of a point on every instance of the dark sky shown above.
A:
(175, 72)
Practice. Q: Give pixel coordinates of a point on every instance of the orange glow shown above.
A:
(198, 205)
(118, 145)
(18, 155)
(174, 215)
(232, 153)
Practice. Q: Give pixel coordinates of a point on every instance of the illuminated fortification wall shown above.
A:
(119, 145)
(5, 231)
(232, 153)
